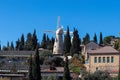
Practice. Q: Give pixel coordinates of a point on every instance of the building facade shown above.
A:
(103, 58)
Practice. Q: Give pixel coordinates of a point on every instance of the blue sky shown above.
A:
(88, 16)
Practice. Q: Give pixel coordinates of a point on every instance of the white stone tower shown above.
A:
(58, 44)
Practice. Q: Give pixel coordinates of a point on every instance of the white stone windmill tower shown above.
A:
(58, 44)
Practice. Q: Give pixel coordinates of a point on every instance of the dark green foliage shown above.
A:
(107, 39)
(54, 61)
(28, 44)
(101, 39)
(0, 47)
(44, 40)
(66, 74)
(98, 75)
(86, 39)
(17, 44)
(95, 38)
(34, 40)
(12, 46)
(76, 41)
(30, 68)
(37, 71)
(67, 42)
(22, 43)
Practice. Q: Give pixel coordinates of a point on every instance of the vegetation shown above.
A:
(76, 41)
(101, 39)
(67, 42)
(37, 71)
(30, 69)
(66, 74)
(86, 39)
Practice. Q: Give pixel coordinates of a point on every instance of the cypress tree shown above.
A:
(95, 38)
(86, 39)
(101, 40)
(66, 74)
(17, 44)
(37, 74)
(34, 40)
(12, 46)
(30, 68)
(67, 42)
(76, 41)
(44, 40)
(28, 45)
(22, 42)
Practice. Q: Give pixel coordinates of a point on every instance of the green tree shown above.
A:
(22, 43)
(76, 41)
(17, 44)
(101, 39)
(86, 39)
(66, 74)
(30, 68)
(34, 40)
(44, 40)
(37, 74)
(95, 38)
(28, 45)
(67, 42)
(12, 46)
(107, 39)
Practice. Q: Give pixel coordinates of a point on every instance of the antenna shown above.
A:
(58, 22)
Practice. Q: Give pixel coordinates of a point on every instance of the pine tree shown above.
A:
(66, 74)
(95, 38)
(37, 74)
(30, 68)
(34, 40)
(86, 39)
(101, 39)
(67, 42)
(76, 41)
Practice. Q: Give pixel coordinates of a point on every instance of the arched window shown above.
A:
(103, 59)
(95, 59)
(112, 59)
(108, 59)
(99, 59)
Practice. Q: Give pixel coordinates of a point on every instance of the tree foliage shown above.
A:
(66, 74)
(95, 38)
(30, 68)
(101, 39)
(67, 42)
(76, 41)
(37, 71)
(86, 39)
(107, 39)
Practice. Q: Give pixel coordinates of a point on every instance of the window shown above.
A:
(112, 59)
(108, 59)
(103, 59)
(95, 59)
(99, 59)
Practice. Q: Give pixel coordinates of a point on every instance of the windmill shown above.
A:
(58, 44)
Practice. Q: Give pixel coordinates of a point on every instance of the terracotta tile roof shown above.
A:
(106, 49)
